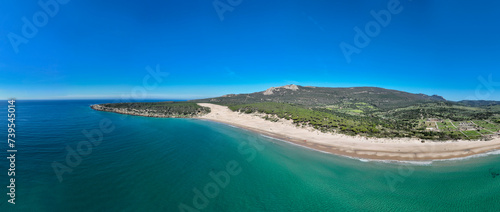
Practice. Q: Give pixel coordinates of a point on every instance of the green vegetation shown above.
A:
(488, 125)
(371, 111)
(173, 109)
(441, 110)
(320, 120)
(363, 98)
(479, 103)
(472, 134)
(352, 108)
(328, 120)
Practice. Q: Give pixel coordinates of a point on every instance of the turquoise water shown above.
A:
(150, 164)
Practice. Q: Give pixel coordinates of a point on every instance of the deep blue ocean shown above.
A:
(72, 158)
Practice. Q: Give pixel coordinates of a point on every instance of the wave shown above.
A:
(406, 162)
(494, 152)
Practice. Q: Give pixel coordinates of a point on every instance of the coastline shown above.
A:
(134, 112)
(386, 149)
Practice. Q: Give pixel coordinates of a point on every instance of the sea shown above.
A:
(72, 158)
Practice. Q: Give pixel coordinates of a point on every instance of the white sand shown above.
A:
(362, 147)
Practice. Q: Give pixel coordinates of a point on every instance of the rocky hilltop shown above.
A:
(271, 90)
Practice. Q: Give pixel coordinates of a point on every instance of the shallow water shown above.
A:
(153, 164)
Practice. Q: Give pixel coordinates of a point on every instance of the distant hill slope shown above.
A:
(478, 103)
(323, 96)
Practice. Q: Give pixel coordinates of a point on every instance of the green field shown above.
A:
(472, 134)
(446, 126)
(485, 132)
(480, 128)
(488, 125)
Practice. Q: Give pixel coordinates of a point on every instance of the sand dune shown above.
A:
(354, 146)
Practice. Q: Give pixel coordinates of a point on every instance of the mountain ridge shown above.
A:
(318, 96)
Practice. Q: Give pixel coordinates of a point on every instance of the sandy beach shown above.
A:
(353, 146)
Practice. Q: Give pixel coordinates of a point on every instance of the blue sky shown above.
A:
(100, 49)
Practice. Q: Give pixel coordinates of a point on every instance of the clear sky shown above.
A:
(100, 49)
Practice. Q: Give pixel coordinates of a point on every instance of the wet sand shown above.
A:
(353, 146)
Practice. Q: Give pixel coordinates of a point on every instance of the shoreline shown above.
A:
(134, 112)
(353, 156)
(359, 147)
(405, 149)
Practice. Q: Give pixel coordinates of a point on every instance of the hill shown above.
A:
(379, 98)
(478, 103)
(370, 111)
